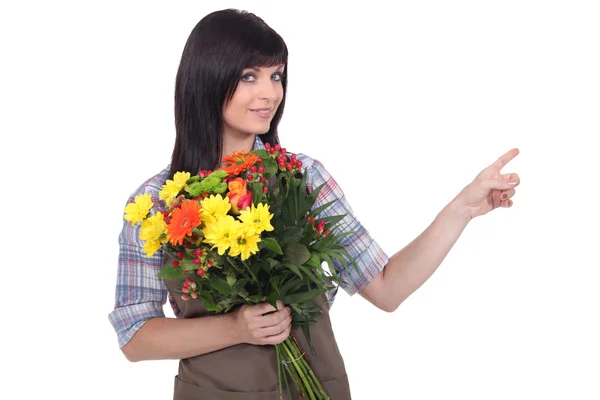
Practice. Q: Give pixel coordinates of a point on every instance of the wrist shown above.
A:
(232, 328)
(457, 211)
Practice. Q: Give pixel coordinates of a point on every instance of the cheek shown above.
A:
(234, 110)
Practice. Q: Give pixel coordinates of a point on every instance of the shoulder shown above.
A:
(310, 164)
(316, 172)
(152, 186)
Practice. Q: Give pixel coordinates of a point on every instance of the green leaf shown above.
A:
(262, 153)
(274, 281)
(312, 198)
(256, 298)
(332, 220)
(291, 286)
(219, 284)
(296, 253)
(322, 207)
(316, 279)
(270, 166)
(231, 278)
(302, 297)
(294, 268)
(171, 273)
(272, 245)
(292, 234)
(209, 302)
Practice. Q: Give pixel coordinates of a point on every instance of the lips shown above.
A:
(264, 112)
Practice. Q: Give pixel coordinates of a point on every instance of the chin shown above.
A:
(263, 128)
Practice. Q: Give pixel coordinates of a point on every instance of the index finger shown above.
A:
(506, 157)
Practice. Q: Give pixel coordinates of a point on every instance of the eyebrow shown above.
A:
(258, 69)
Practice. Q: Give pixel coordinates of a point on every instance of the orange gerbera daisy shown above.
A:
(183, 220)
(238, 162)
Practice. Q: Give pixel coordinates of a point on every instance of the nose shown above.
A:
(268, 90)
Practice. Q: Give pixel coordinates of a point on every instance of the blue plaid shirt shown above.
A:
(140, 294)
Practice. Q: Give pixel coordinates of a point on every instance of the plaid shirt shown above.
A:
(140, 294)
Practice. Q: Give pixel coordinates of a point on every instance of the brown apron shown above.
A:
(249, 372)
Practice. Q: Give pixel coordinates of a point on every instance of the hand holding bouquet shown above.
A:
(248, 233)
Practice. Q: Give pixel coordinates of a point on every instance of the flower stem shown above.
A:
(302, 376)
(295, 378)
(279, 371)
(302, 363)
(317, 382)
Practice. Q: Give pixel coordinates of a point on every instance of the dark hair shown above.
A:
(217, 51)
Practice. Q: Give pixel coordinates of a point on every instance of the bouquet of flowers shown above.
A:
(247, 233)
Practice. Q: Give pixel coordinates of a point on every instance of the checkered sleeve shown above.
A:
(367, 253)
(140, 293)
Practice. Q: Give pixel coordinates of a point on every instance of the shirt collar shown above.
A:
(258, 143)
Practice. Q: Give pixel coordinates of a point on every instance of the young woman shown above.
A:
(230, 96)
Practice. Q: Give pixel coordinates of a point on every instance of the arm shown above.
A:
(176, 338)
(143, 331)
(410, 267)
(145, 334)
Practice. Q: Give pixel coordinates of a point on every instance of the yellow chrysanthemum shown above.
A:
(138, 210)
(180, 179)
(168, 192)
(214, 207)
(153, 228)
(246, 244)
(171, 188)
(257, 219)
(223, 233)
(151, 247)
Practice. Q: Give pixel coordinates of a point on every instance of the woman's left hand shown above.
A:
(490, 189)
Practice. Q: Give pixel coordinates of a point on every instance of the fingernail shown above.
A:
(512, 183)
(504, 196)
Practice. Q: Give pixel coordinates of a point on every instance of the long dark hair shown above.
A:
(217, 51)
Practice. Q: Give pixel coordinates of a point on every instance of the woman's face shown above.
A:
(254, 102)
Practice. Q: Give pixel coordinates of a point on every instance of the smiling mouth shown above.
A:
(262, 112)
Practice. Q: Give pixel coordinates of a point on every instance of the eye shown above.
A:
(278, 76)
(246, 78)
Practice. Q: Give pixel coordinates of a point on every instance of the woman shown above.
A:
(229, 96)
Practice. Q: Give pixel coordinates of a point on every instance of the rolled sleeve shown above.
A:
(360, 245)
(127, 320)
(140, 294)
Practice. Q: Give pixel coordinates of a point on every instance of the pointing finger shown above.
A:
(505, 158)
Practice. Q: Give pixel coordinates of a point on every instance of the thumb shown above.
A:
(500, 183)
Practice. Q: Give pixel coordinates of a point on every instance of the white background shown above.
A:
(403, 103)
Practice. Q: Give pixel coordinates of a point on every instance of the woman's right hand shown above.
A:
(255, 326)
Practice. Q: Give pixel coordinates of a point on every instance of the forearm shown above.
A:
(177, 338)
(409, 268)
